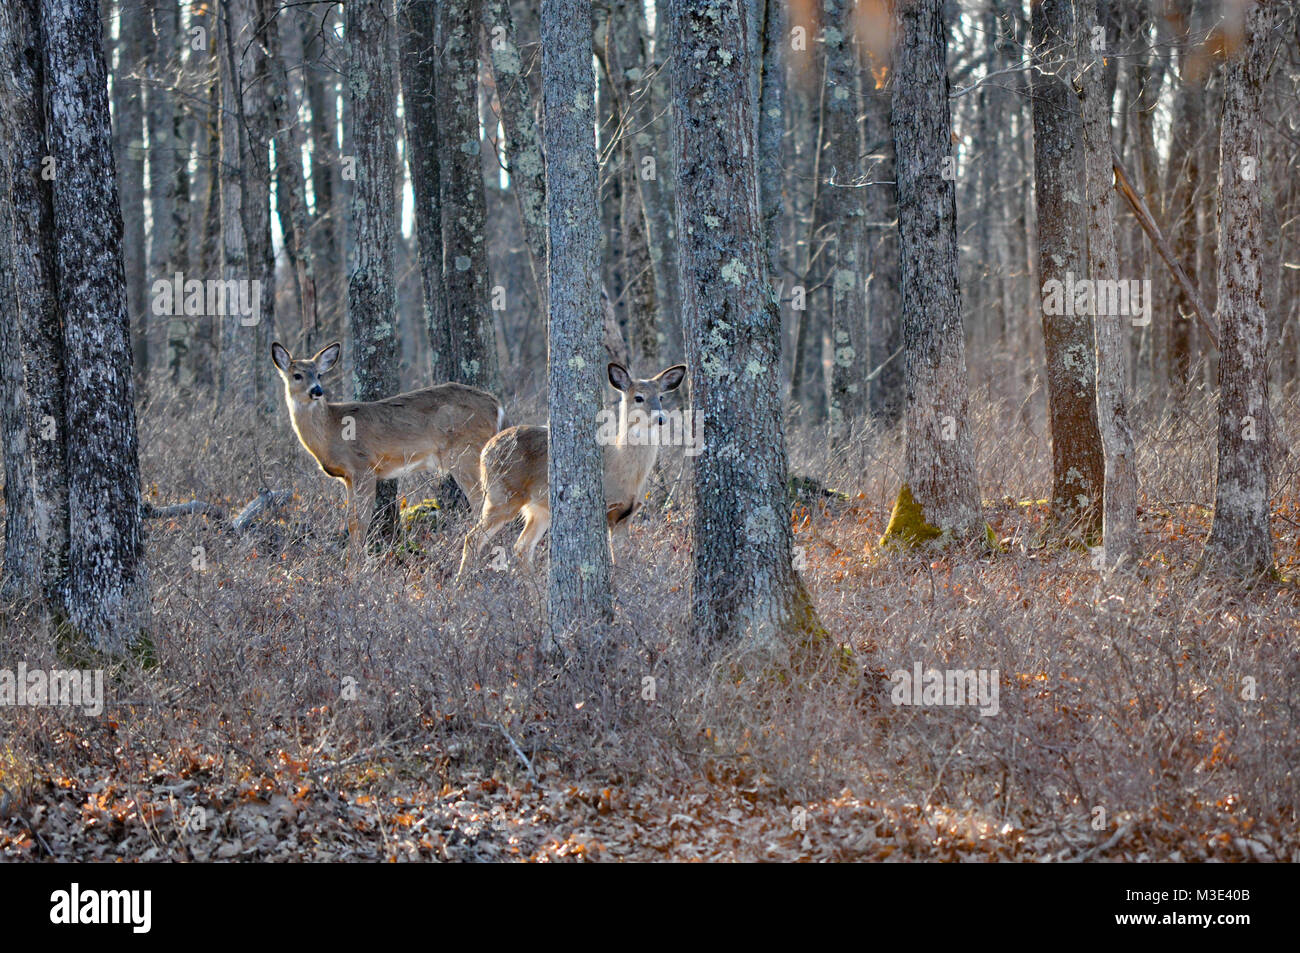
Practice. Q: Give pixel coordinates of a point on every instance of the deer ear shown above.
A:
(672, 378)
(280, 356)
(619, 377)
(327, 357)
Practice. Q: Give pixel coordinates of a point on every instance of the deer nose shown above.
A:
(316, 391)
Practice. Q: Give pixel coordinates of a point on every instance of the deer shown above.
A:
(440, 428)
(513, 468)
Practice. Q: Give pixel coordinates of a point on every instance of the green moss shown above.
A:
(907, 526)
(427, 514)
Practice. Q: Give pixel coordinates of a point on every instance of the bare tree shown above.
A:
(107, 595)
(1078, 466)
(939, 497)
(1240, 539)
(579, 568)
(32, 243)
(465, 278)
(372, 299)
(744, 588)
(129, 95)
(1119, 503)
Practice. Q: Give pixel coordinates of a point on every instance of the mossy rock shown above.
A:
(907, 526)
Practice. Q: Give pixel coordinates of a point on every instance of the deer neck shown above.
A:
(313, 422)
(633, 454)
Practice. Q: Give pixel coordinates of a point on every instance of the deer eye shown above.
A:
(640, 399)
(297, 377)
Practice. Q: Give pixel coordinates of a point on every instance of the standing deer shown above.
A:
(441, 428)
(512, 467)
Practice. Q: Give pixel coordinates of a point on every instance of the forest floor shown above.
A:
(299, 711)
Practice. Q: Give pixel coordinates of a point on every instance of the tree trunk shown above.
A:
(465, 256)
(1119, 498)
(417, 20)
(886, 392)
(579, 567)
(372, 300)
(167, 160)
(940, 457)
(129, 150)
(22, 554)
(842, 218)
(32, 245)
(1240, 540)
(523, 148)
(107, 596)
(744, 588)
(1078, 465)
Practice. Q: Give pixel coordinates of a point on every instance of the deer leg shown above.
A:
(363, 504)
(465, 473)
(537, 520)
(488, 525)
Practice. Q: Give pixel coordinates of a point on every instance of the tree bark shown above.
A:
(465, 257)
(579, 567)
(107, 596)
(32, 245)
(22, 554)
(1240, 540)
(372, 299)
(1119, 498)
(744, 589)
(940, 456)
(1078, 464)
(842, 215)
(129, 148)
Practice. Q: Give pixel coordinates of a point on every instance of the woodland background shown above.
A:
(391, 172)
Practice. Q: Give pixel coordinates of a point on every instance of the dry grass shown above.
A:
(315, 713)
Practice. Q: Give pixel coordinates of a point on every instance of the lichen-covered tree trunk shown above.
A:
(417, 22)
(32, 246)
(579, 569)
(1119, 497)
(129, 95)
(1240, 540)
(842, 215)
(1078, 466)
(107, 596)
(22, 555)
(744, 589)
(939, 476)
(372, 299)
(465, 258)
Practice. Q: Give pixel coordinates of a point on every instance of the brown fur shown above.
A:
(513, 471)
(441, 428)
